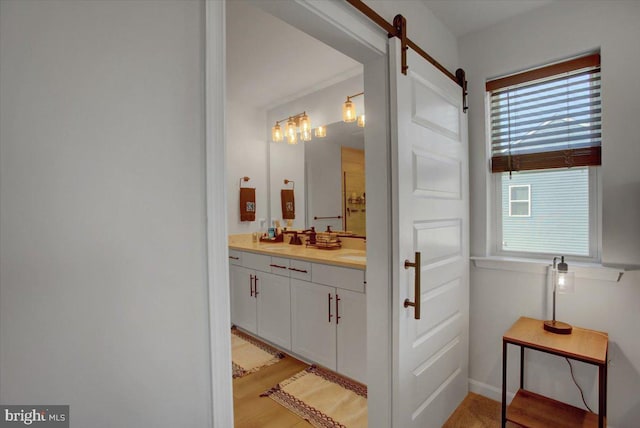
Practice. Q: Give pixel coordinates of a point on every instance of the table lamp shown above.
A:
(562, 283)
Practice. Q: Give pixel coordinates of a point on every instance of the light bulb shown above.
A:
(361, 121)
(321, 131)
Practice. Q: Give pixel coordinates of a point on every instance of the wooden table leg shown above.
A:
(602, 393)
(522, 367)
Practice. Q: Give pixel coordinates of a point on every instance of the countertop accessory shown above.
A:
(326, 240)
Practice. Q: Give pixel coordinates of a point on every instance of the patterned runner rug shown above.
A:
(248, 354)
(323, 398)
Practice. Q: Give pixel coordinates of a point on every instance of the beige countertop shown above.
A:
(347, 257)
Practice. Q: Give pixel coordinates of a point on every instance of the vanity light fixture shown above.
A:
(294, 124)
(321, 131)
(349, 109)
(361, 121)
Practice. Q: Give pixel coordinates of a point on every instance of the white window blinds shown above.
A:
(549, 117)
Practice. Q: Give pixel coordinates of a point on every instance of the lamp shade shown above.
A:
(305, 128)
(321, 131)
(564, 282)
(349, 111)
(276, 133)
(290, 130)
(361, 121)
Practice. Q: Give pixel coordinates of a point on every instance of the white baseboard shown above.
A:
(489, 391)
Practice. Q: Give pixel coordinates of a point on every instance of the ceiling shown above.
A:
(270, 62)
(462, 17)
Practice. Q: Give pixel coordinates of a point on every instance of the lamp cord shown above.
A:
(580, 389)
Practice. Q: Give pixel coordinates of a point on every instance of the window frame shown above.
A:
(494, 210)
(595, 223)
(528, 200)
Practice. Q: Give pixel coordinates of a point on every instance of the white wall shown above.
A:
(103, 301)
(247, 155)
(423, 27)
(498, 298)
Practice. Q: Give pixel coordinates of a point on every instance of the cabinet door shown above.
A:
(352, 334)
(243, 303)
(313, 328)
(274, 308)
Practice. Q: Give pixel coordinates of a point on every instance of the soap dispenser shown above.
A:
(312, 236)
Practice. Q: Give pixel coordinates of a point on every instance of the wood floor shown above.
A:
(476, 411)
(253, 411)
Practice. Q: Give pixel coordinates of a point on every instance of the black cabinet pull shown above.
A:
(298, 270)
(329, 299)
(338, 309)
(251, 277)
(278, 266)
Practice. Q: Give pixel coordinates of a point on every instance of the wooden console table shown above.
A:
(533, 410)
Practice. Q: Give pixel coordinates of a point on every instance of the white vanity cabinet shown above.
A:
(260, 300)
(313, 327)
(328, 323)
(351, 335)
(315, 310)
(274, 308)
(243, 302)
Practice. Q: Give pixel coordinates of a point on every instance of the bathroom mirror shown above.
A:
(329, 179)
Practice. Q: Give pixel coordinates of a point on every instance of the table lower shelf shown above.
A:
(536, 411)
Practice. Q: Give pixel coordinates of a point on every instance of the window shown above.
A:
(545, 151)
(520, 200)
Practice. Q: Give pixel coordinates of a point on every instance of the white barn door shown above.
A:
(431, 215)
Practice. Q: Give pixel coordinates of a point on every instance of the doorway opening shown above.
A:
(274, 71)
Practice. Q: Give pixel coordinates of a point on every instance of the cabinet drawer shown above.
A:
(256, 261)
(279, 266)
(300, 270)
(235, 257)
(340, 277)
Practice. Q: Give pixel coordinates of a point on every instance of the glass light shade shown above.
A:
(290, 130)
(564, 282)
(305, 128)
(321, 131)
(361, 121)
(276, 133)
(349, 111)
(305, 123)
(305, 135)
